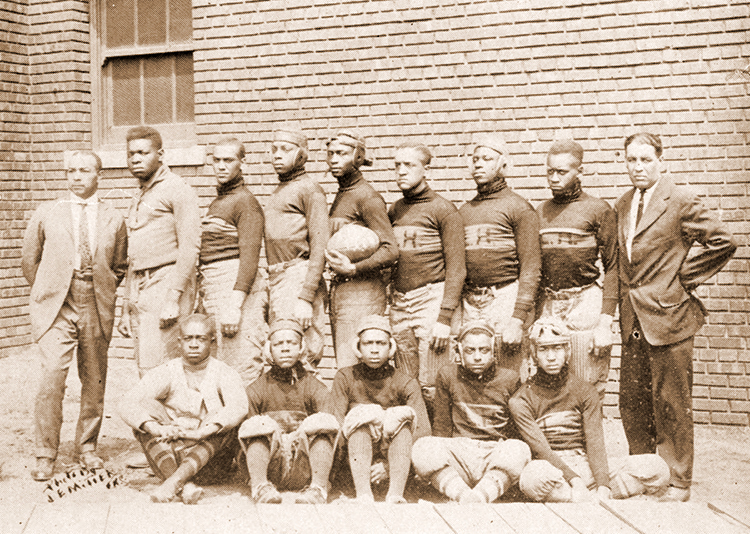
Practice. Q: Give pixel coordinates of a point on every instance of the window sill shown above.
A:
(193, 156)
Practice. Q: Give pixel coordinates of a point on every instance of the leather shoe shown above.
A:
(675, 494)
(89, 460)
(45, 468)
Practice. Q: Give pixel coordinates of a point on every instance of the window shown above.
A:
(144, 62)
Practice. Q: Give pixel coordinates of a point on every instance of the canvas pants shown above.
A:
(153, 345)
(413, 314)
(351, 301)
(285, 282)
(579, 309)
(244, 351)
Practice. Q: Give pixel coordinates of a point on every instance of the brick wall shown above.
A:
(14, 171)
(441, 71)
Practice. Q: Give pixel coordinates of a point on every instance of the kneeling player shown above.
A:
(470, 458)
(381, 411)
(183, 413)
(560, 417)
(288, 441)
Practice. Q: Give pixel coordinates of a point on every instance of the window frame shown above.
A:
(180, 139)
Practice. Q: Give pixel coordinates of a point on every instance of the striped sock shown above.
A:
(450, 483)
(493, 484)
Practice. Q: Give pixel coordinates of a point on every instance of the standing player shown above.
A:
(427, 283)
(577, 231)
(164, 241)
(357, 289)
(233, 285)
(296, 237)
(502, 253)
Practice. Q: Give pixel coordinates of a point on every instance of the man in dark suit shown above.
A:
(658, 222)
(74, 257)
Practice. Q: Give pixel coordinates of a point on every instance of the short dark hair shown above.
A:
(567, 146)
(90, 154)
(425, 156)
(233, 141)
(145, 132)
(205, 320)
(645, 138)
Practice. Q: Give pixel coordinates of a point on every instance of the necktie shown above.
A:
(84, 248)
(639, 213)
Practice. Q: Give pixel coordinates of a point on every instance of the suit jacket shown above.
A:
(655, 284)
(47, 262)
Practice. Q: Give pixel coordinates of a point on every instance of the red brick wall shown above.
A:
(441, 72)
(14, 172)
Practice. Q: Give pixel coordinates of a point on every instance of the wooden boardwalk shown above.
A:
(613, 517)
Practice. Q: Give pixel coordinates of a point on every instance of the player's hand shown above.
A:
(170, 310)
(339, 263)
(512, 334)
(603, 493)
(440, 337)
(162, 432)
(230, 320)
(378, 473)
(603, 337)
(580, 493)
(303, 312)
(124, 325)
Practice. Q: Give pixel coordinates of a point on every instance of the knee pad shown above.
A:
(538, 479)
(319, 423)
(258, 426)
(510, 456)
(395, 418)
(364, 415)
(641, 473)
(428, 456)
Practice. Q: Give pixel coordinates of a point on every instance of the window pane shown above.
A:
(157, 88)
(180, 20)
(120, 22)
(126, 91)
(184, 76)
(152, 21)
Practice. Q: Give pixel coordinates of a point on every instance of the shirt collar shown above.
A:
(368, 373)
(485, 377)
(159, 175)
(647, 193)
(351, 180)
(92, 200)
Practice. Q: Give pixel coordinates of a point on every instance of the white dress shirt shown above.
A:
(92, 211)
(647, 194)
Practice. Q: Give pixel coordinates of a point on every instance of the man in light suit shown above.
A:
(74, 257)
(658, 222)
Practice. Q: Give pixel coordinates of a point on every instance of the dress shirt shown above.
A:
(647, 194)
(92, 209)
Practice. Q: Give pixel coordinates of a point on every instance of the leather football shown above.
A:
(355, 242)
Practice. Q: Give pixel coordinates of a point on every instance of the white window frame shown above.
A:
(180, 139)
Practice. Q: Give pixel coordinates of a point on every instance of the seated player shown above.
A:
(560, 417)
(183, 413)
(472, 458)
(288, 442)
(381, 412)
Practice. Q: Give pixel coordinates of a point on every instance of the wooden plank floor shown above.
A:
(614, 517)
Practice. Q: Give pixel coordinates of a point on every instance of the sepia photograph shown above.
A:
(369, 266)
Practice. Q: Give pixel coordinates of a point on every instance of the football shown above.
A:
(355, 242)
